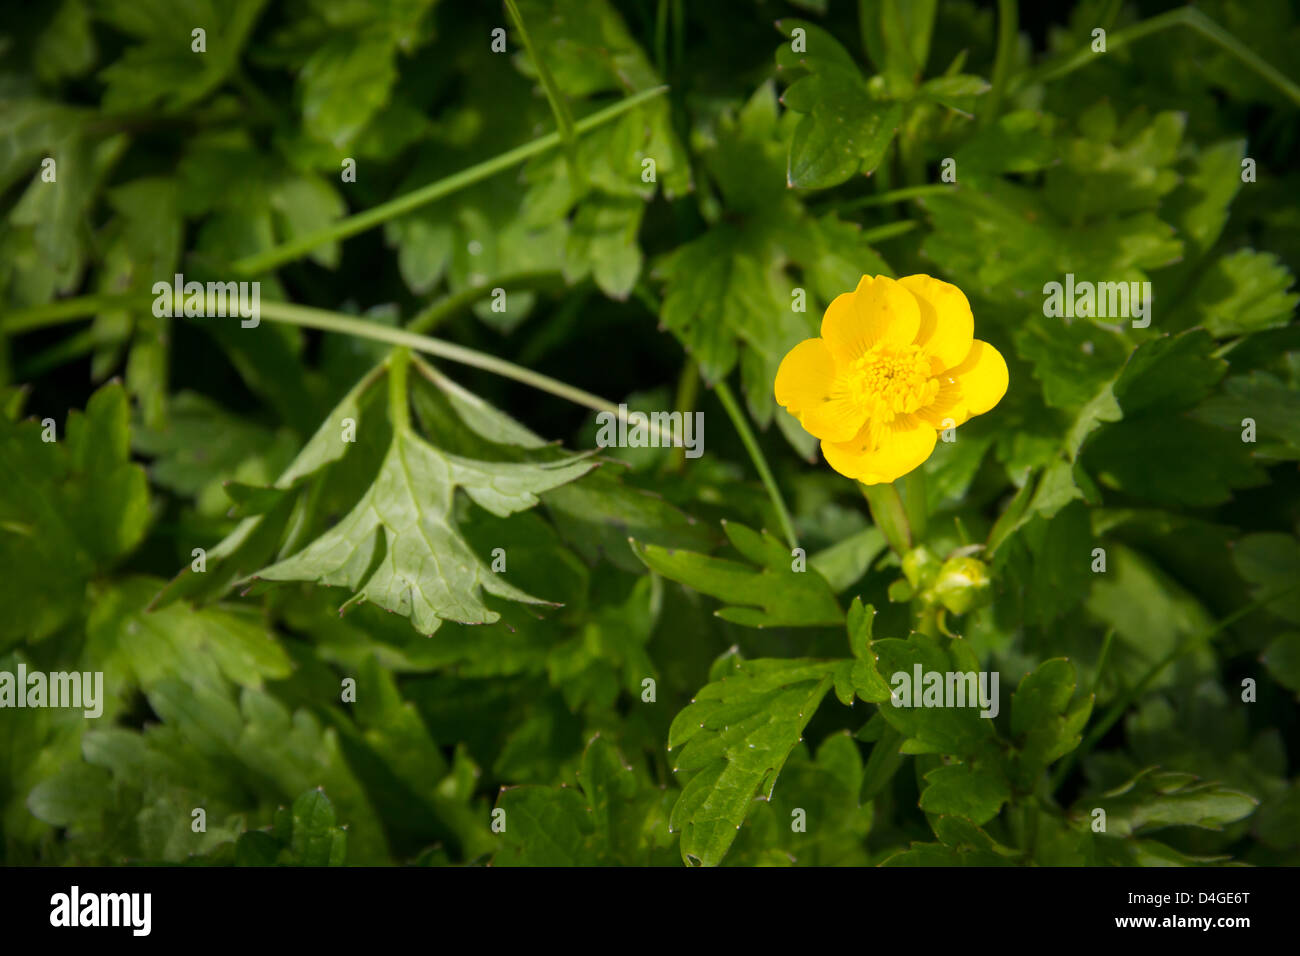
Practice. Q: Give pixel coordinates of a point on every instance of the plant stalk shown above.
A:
(741, 424)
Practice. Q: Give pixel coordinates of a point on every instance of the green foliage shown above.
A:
(777, 595)
(735, 737)
(355, 606)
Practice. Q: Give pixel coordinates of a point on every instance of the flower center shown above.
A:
(891, 380)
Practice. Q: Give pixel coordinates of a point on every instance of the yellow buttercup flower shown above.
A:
(896, 363)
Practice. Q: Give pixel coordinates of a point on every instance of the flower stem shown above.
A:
(889, 516)
(914, 503)
(747, 438)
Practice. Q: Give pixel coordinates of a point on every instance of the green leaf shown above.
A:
(316, 840)
(735, 736)
(67, 46)
(256, 538)
(1017, 142)
(602, 242)
(164, 68)
(1094, 215)
(1282, 658)
(1052, 556)
(618, 818)
(1172, 458)
(399, 546)
(1150, 611)
(1260, 397)
(844, 563)
(199, 646)
(602, 517)
(1154, 799)
(1072, 359)
(546, 827)
(67, 507)
(344, 84)
(1169, 374)
(1243, 292)
(957, 92)
(976, 794)
(844, 128)
(820, 795)
(937, 854)
(775, 595)
(726, 288)
(304, 205)
(926, 729)
(1044, 721)
(1270, 563)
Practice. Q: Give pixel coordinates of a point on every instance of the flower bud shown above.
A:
(920, 567)
(962, 584)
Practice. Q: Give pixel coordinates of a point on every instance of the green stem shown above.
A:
(71, 310)
(888, 231)
(888, 514)
(399, 409)
(886, 198)
(438, 312)
(915, 505)
(60, 353)
(747, 438)
(1101, 659)
(287, 252)
(688, 389)
(67, 310)
(559, 106)
(310, 318)
(1008, 34)
(927, 620)
(1184, 16)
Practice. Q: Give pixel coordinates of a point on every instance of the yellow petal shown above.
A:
(947, 410)
(837, 418)
(880, 310)
(804, 376)
(807, 386)
(903, 445)
(947, 325)
(982, 377)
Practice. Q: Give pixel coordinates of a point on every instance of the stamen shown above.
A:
(891, 380)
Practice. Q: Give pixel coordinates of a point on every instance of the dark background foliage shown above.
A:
(665, 295)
